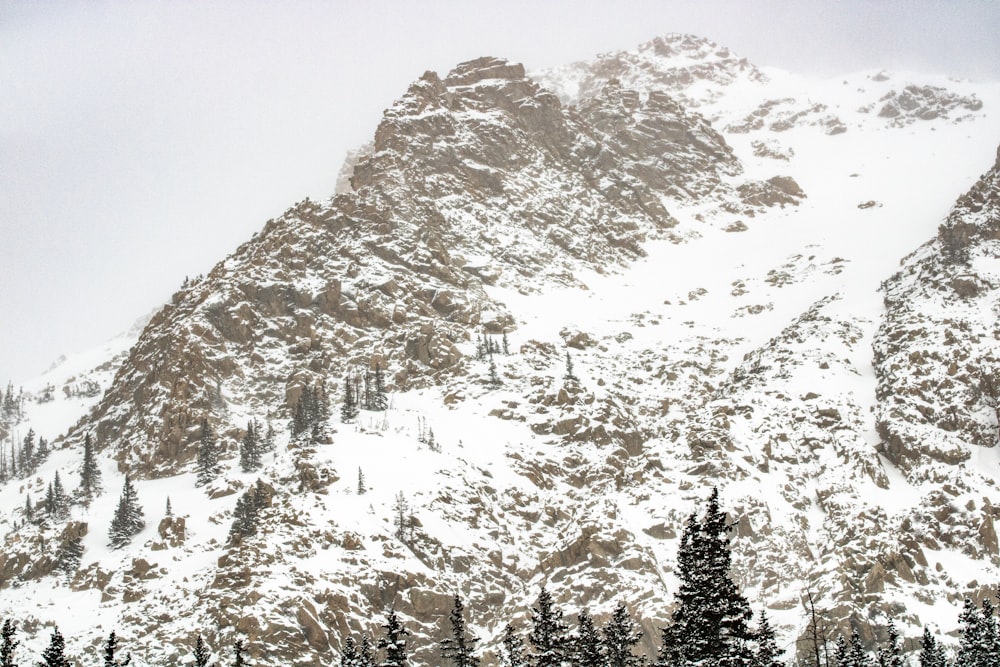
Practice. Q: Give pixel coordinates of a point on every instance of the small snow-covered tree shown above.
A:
(128, 519)
(201, 653)
(111, 646)
(239, 653)
(69, 555)
(400, 510)
(349, 407)
(394, 642)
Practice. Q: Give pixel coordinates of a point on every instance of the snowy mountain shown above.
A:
(694, 265)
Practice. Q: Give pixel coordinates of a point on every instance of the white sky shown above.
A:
(143, 141)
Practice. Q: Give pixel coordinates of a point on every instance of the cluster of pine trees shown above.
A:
(24, 457)
(365, 391)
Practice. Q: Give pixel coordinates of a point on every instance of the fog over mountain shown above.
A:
(141, 142)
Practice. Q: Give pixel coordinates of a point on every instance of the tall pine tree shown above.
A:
(512, 648)
(931, 652)
(621, 636)
(90, 473)
(128, 519)
(111, 646)
(208, 455)
(585, 647)
(250, 448)
(461, 646)
(201, 653)
(711, 621)
(549, 633)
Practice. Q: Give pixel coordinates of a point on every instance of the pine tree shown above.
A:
(768, 653)
(585, 647)
(362, 488)
(621, 635)
(971, 641)
(29, 510)
(239, 653)
(494, 380)
(349, 654)
(349, 408)
(400, 508)
(208, 455)
(711, 620)
(247, 513)
(27, 456)
(250, 454)
(548, 634)
(380, 399)
(90, 473)
(110, 648)
(128, 519)
(840, 652)
(169, 510)
(512, 649)
(891, 655)
(569, 369)
(60, 506)
(393, 642)
(269, 437)
(460, 647)
(201, 653)
(857, 656)
(931, 652)
(69, 555)
(9, 643)
(506, 344)
(991, 635)
(366, 653)
(55, 653)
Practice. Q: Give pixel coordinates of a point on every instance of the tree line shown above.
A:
(712, 625)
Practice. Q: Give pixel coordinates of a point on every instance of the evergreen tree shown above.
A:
(369, 400)
(269, 438)
(506, 344)
(381, 401)
(891, 655)
(349, 654)
(9, 644)
(711, 620)
(55, 653)
(29, 510)
(239, 653)
(494, 380)
(931, 652)
(69, 555)
(110, 648)
(460, 647)
(400, 509)
(169, 511)
(512, 649)
(991, 635)
(128, 519)
(569, 369)
(857, 656)
(59, 509)
(27, 462)
(970, 645)
(393, 642)
(585, 648)
(208, 455)
(349, 408)
(362, 488)
(201, 653)
(621, 636)
(840, 652)
(250, 448)
(768, 653)
(366, 653)
(548, 634)
(246, 516)
(90, 473)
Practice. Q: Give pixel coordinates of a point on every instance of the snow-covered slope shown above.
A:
(715, 283)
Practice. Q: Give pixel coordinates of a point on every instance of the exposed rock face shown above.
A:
(916, 103)
(479, 178)
(935, 353)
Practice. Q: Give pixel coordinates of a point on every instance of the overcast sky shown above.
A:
(143, 141)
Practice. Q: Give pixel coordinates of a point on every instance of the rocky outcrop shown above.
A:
(916, 103)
